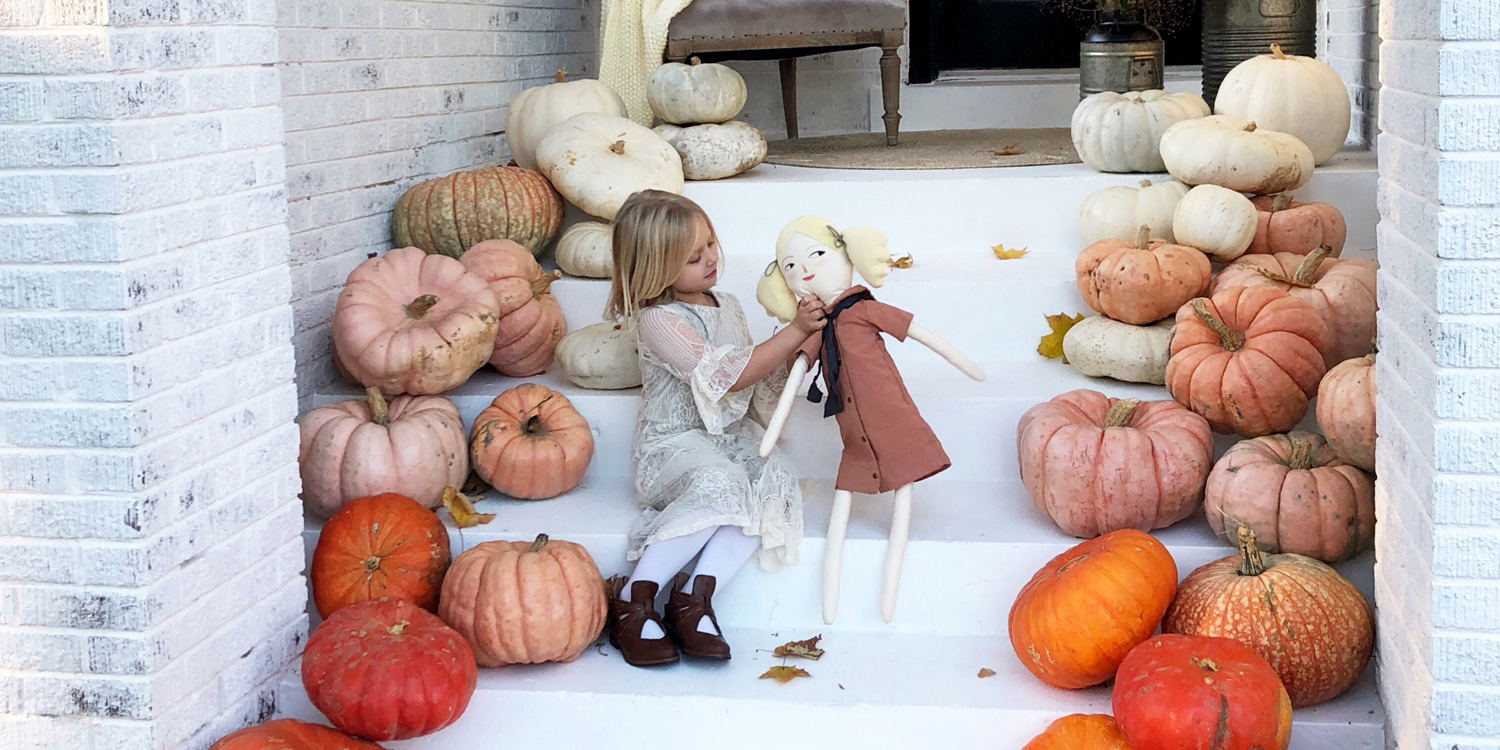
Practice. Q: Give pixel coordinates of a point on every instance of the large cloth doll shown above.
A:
(887, 444)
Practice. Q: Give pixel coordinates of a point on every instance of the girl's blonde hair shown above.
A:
(654, 232)
(865, 248)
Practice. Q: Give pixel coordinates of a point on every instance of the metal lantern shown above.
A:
(1120, 53)
(1237, 30)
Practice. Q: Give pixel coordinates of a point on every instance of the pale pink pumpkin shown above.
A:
(1295, 494)
(1283, 225)
(413, 446)
(1342, 291)
(531, 321)
(1094, 464)
(409, 322)
(1346, 411)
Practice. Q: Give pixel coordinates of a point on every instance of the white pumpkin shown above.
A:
(584, 250)
(1292, 94)
(1122, 132)
(1215, 220)
(596, 161)
(1119, 212)
(713, 152)
(691, 94)
(536, 111)
(602, 356)
(1236, 154)
(1104, 348)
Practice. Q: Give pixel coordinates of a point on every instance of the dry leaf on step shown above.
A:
(807, 649)
(1004, 254)
(462, 509)
(986, 672)
(1009, 151)
(904, 261)
(1051, 344)
(784, 674)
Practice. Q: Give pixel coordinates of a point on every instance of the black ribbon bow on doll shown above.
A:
(830, 357)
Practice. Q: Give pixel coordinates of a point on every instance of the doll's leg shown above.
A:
(833, 554)
(895, 552)
(662, 560)
(723, 556)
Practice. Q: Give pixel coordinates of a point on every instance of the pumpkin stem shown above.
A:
(398, 628)
(1145, 183)
(1143, 237)
(1302, 452)
(617, 147)
(379, 414)
(1251, 561)
(694, 60)
(533, 426)
(1276, 51)
(1206, 664)
(1229, 338)
(561, 76)
(1120, 412)
(372, 564)
(1282, 201)
(1310, 265)
(1250, 128)
(538, 543)
(418, 308)
(543, 285)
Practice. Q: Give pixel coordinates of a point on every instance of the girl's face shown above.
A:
(810, 267)
(702, 268)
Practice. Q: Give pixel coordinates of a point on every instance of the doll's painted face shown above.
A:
(810, 267)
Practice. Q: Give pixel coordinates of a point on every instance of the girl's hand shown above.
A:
(809, 318)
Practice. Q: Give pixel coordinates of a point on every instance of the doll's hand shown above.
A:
(809, 318)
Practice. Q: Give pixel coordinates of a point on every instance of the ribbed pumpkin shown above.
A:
(1080, 732)
(376, 547)
(1140, 282)
(1284, 225)
(386, 670)
(1249, 359)
(525, 602)
(451, 214)
(290, 734)
(531, 320)
(1294, 493)
(1094, 464)
(1346, 411)
(1342, 291)
(1310, 623)
(530, 443)
(1078, 617)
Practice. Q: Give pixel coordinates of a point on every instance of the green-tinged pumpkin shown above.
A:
(451, 214)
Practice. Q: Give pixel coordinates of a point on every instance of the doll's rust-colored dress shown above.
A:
(887, 444)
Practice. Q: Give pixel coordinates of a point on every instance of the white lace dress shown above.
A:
(697, 451)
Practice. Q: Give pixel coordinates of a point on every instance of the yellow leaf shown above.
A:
(1009, 151)
(807, 649)
(1051, 344)
(1004, 254)
(904, 261)
(784, 674)
(462, 509)
(986, 672)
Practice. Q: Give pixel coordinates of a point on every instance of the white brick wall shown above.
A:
(1348, 41)
(1438, 542)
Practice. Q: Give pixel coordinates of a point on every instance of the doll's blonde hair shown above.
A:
(653, 237)
(865, 248)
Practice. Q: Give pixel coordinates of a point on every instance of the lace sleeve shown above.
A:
(710, 371)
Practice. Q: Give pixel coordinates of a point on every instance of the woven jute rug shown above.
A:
(929, 149)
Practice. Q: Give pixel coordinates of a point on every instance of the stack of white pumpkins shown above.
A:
(697, 104)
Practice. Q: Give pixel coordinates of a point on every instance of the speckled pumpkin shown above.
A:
(1140, 282)
(1341, 290)
(530, 319)
(1346, 411)
(451, 214)
(531, 443)
(1283, 225)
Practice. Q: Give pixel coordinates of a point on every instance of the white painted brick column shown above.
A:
(1438, 494)
(1348, 41)
(150, 557)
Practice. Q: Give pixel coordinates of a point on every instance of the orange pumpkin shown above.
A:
(1081, 732)
(380, 546)
(530, 443)
(1342, 291)
(1346, 411)
(1310, 623)
(1095, 464)
(1078, 617)
(531, 321)
(1249, 359)
(290, 734)
(1294, 493)
(1283, 225)
(525, 602)
(1140, 282)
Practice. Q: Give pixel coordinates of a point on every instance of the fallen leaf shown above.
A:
(1009, 151)
(1004, 254)
(986, 672)
(462, 509)
(784, 674)
(1051, 344)
(904, 261)
(807, 649)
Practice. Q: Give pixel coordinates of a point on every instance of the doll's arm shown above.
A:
(784, 405)
(945, 350)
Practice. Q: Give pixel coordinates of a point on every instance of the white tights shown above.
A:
(725, 550)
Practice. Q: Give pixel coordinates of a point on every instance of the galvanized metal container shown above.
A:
(1120, 54)
(1237, 30)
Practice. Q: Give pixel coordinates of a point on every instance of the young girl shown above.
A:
(698, 471)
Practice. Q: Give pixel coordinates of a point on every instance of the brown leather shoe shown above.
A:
(626, 620)
(684, 611)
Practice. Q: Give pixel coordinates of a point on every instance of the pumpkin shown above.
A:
(388, 670)
(1094, 464)
(530, 318)
(1217, 221)
(409, 322)
(449, 215)
(1283, 225)
(290, 734)
(375, 547)
(713, 152)
(1078, 617)
(1297, 95)
(525, 602)
(1120, 132)
(1248, 359)
(1236, 154)
(1080, 732)
(1119, 212)
(585, 249)
(413, 446)
(1308, 622)
(1103, 348)
(1193, 691)
(530, 443)
(689, 94)
(1346, 411)
(536, 111)
(1295, 494)
(1142, 281)
(602, 356)
(597, 161)
(1341, 290)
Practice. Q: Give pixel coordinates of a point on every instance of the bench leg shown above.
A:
(789, 95)
(890, 91)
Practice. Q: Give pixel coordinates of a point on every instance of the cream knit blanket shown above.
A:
(632, 38)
